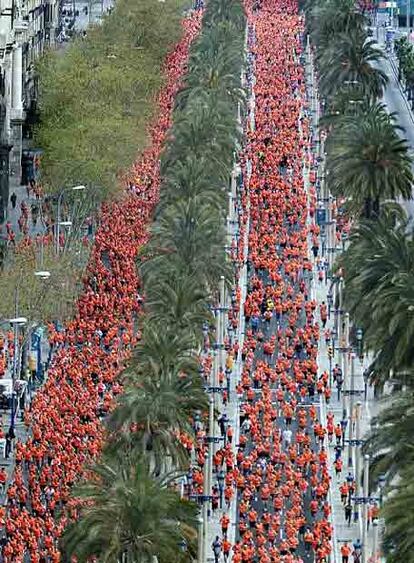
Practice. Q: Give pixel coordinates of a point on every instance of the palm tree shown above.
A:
(187, 239)
(151, 414)
(379, 294)
(128, 515)
(398, 540)
(368, 161)
(193, 178)
(208, 126)
(391, 441)
(348, 102)
(219, 11)
(179, 303)
(214, 66)
(161, 350)
(352, 58)
(327, 19)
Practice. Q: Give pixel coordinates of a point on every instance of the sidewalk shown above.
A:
(13, 213)
(232, 409)
(360, 406)
(21, 431)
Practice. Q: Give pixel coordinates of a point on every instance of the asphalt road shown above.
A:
(269, 329)
(397, 103)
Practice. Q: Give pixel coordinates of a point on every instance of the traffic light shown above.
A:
(330, 351)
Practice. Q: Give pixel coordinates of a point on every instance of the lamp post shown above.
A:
(381, 485)
(359, 334)
(59, 204)
(66, 224)
(338, 311)
(344, 343)
(16, 322)
(200, 538)
(357, 458)
(375, 541)
(351, 412)
(220, 480)
(330, 301)
(365, 509)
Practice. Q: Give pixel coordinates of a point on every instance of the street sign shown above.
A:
(365, 500)
(216, 389)
(389, 35)
(213, 439)
(321, 216)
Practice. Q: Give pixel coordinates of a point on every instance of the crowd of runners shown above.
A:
(279, 472)
(65, 416)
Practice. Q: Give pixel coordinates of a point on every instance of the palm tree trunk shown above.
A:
(368, 208)
(376, 208)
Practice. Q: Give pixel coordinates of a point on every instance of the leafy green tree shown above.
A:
(40, 299)
(129, 515)
(99, 95)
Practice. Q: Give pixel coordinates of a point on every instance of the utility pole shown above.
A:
(365, 510)
(15, 356)
(345, 346)
(351, 411)
(408, 17)
(357, 458)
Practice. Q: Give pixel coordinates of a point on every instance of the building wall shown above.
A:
(27, 27)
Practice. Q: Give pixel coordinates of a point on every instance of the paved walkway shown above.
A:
(232, 409)
(357, 401)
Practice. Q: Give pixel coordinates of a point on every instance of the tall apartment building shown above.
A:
(27, 27)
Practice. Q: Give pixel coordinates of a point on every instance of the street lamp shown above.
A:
(359, 334)
(65, 224)
(381, 484)
(200, 549)
(190, 480)
(365, 507)
(220, 480)
(59, 203)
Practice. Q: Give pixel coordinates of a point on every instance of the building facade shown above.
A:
(27, 27)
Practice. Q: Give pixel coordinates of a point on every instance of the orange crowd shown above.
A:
(279, 474)
(65, 415)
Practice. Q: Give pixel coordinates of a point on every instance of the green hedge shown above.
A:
(97, 95)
